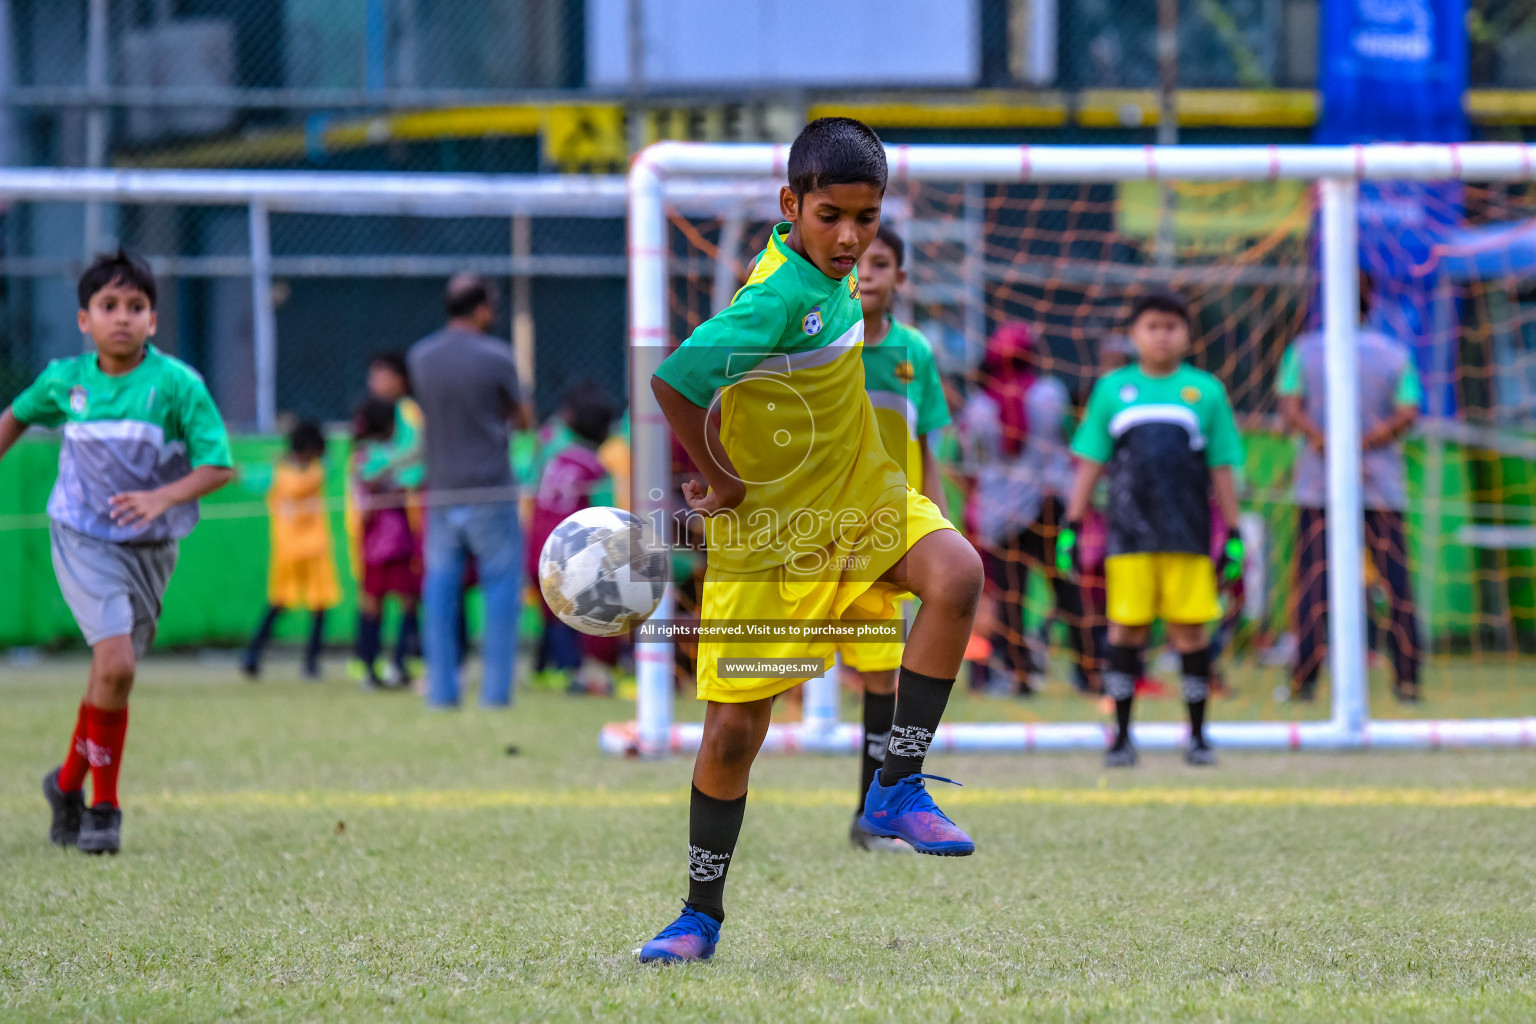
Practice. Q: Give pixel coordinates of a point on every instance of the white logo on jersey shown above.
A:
(812, 322)
(1128, 393)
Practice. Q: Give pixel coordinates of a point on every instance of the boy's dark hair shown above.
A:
(394, 362)
(894, 243)
(306, 438)
(374, 420)
(466, 293)
(119, 267)
(588, 413)
(1162, 302)
(836, 151)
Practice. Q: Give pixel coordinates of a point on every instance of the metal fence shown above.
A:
(279, 287)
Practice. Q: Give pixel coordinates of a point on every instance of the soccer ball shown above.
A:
(600, 571)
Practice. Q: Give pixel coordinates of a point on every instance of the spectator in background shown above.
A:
(389, 381)
(301, 572)
(1390, 394)
(391, 549)
(467, 386)
(572, 479)
(1013, 429)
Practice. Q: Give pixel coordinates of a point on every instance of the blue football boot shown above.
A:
(907, 812)
(691, 937)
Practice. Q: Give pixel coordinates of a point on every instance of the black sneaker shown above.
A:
(101, 830)
(1200, 755)
(67, 809)
(1121, 757)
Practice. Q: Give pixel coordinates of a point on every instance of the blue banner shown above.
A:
(1393, 71)
(1396, 71)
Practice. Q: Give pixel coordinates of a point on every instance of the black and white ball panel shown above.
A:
(600, 571)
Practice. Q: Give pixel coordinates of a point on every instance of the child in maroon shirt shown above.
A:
(570, 482)
(391, 550)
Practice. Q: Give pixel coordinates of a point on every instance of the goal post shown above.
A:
(1336, 173)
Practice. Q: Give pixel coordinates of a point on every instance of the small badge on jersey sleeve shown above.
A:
(77, 400)
(1190, 394)
(812, 322)
(1128, 393)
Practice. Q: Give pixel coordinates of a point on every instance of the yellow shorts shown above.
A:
(1173, 586)
(773, 594)
(308, 584)
(872, 657)
(884, 656)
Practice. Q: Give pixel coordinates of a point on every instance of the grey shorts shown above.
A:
(112, 589)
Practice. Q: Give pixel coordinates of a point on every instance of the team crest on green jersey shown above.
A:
(812, 322)
(77, 400)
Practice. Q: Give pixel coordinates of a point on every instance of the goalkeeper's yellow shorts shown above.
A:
(1174, 586)
(775, 594)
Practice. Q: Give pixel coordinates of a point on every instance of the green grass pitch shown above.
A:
(309, 852)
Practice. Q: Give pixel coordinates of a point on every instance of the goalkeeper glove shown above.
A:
(1234, 555)
(1066, 549)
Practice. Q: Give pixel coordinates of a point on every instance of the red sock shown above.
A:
(72, 774)
(104, 734)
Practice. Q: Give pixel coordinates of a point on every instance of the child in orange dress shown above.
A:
(302, 571)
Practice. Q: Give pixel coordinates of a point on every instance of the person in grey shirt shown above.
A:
(466, 384)
(1390, 394)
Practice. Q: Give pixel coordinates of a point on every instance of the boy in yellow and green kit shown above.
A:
(808, 519)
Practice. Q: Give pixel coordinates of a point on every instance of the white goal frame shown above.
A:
(663, 170)
(264, 193)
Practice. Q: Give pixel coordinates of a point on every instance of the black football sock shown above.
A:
(313, 644)
(405, 642)
(368, 641)
(713, 826)
(920, 704)
(1120, 686)
(263, 634)
(879, 713)
(1197, 690)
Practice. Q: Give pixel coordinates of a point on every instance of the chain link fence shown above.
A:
(343, 288)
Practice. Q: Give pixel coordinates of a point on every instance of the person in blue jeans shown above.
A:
(467, 386)
(491, 533)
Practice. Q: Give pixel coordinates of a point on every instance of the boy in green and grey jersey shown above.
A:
(142, 442)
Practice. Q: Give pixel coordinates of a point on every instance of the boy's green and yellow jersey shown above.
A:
(133, 432)
(904, 388)
(785, 360)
